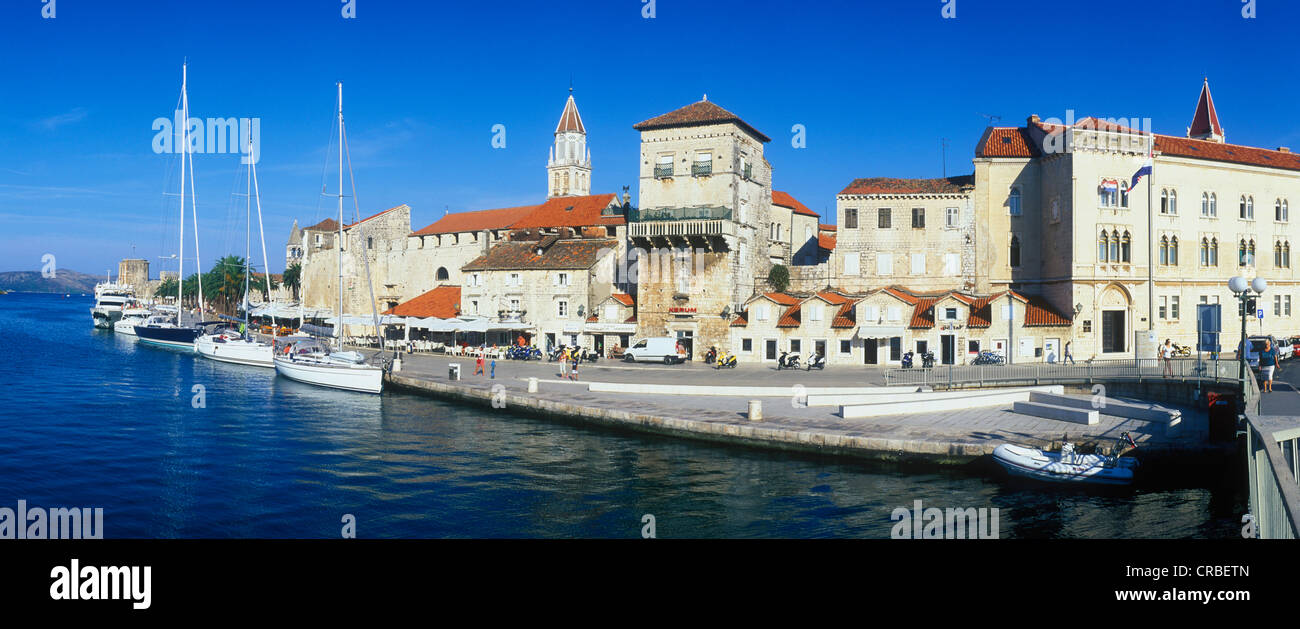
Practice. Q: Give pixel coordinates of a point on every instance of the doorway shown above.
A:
(870, 352)
(1112, 331)
(686, 338)
(947, 349)
(1052, 350)
(769, 349)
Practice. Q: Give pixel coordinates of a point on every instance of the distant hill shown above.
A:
(64, 281)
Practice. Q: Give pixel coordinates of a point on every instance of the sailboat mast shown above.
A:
(338, 327)
(261, 228)
(248, 233)
(185, 143)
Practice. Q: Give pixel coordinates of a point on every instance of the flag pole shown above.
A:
(1151, 241)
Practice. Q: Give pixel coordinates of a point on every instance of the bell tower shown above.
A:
(568, 171)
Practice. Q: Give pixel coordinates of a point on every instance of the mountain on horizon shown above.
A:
(64, 281)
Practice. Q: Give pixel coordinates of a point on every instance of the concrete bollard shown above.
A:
(397, 364)
(532, 385)
(755, 410)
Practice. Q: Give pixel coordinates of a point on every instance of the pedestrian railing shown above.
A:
(1216, 370)
(1273, 463)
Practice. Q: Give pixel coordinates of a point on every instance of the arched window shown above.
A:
(1250, 208)
(1205, 204)
(1241, 253)
(1205, 252)
(1277, 210)
(1123, 194)
(1126, 248)
(1277, 254)
(1164, 201)
(1114, 246)
(1242, 207)
(370, 242)
(1173, 251)
(1250, 253)
(1164, 250)
(1214, 204)
(1214, 252)
(1286, 212)
(1103, 247)
(1015, 251)
(1013, 202)
(1173, 201)
(1286, 255)
(443, 274)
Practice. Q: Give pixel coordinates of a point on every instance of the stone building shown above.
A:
(134, 272)
(568, 170)
(1062, 223)
(920, 232)
(705, 216)
(550, 282)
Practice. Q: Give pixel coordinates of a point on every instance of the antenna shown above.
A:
(992, 118)
(944, 143)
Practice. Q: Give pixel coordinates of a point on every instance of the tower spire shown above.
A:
(1205, 122)
(568, 171)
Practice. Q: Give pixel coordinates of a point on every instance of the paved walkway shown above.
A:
(951, 436)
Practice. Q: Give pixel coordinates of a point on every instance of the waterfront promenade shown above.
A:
(949, 436)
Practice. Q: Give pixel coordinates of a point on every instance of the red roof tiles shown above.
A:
(572, 212)
(1205, 121)
(479, 220)
(569, 118)
(624, 298)
(556, 254)
(845, 318)
(697, 114)
(782, 298)
(784, 199)
(442, 302)
(790, 318)
(1039, 313)
(1006, 142)
(890, 185)
(327, 225)
(826, 242)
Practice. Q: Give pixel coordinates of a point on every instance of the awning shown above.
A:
(511, 326)
(610, 328)
(572, 328)
(879, 331)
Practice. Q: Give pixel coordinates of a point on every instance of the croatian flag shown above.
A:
(1144, 171)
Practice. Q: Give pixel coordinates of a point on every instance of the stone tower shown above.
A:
(568, 171)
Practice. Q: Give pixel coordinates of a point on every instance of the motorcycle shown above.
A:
(927, 360)
(726, 361)
(816, 361)
(1182, 351)
(555, 354)
(711, 355)
(788, 360)
(907, 360)
(987, 357)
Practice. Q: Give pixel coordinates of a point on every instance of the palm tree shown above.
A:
(259, 285)
(292, 278)
(225, 283)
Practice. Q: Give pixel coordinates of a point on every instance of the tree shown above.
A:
(166, 288)
(779, 277)
(292, 278)
(224, 284)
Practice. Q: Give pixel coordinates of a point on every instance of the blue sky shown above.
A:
(876, 85)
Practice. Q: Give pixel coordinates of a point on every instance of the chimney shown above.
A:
(1033, 119)
(1284, 149)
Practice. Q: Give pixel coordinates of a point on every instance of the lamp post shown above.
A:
(1243, 291)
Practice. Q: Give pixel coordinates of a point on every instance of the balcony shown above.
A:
(682, 229)
(708, 212)
(663, 171)
(701, 169)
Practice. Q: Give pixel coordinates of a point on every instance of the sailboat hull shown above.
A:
(236, 351)
(349, 377)
(167, 336)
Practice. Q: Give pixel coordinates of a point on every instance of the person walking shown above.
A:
(478, 366)
(564, 362)
(1068, 356)
(1167, 353)
(1268, 364)
(494, 369)
(576, 358)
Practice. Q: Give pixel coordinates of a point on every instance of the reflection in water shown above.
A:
(94, 419)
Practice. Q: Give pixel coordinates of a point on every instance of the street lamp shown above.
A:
(1243, 290)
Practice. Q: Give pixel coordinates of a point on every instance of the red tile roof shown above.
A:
(569, 118)
(981, 312)
(784, 199)
(826, 242)
(442, 302)
(890, 185)
(479, 220)
(1220, 152)
(1039, 313)
(697, 114)
(573, 254)
(826, 227)
(923, 313)
(782, 298)
(572, 212)
(845, 318)
(832, 298)
(740, 321)
(790, 318)
(327, 225)
(1206, 120)
(1006, 142)
(624, 298)
(593, 318)
(900, 293)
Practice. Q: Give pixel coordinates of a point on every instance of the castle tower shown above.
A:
(568, 171)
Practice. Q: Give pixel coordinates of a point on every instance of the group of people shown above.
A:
(570, 357)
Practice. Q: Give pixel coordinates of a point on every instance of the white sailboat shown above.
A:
(238, 346)
(161, 329)
(312, 361)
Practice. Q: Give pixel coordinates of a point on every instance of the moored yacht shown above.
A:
(230, 346)
(110, 299)
(131, 317)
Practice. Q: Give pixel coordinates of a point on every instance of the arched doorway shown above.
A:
(443, 274)
(1116, 306)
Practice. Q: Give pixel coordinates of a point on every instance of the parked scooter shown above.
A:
(907, 360)
(788, 360)
(555, 353)
(927, 360)
(816, 361)
(988, 357)
(1182, 351)
(711, 355)
(725, 361)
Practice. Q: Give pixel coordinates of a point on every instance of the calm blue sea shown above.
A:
(88, 419)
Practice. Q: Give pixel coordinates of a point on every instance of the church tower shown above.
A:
(568, 171)
(1205, 122)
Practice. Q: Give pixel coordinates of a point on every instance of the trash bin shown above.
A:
(453, 371)
(1223, 415)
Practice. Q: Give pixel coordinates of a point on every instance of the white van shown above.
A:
(655, 349)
